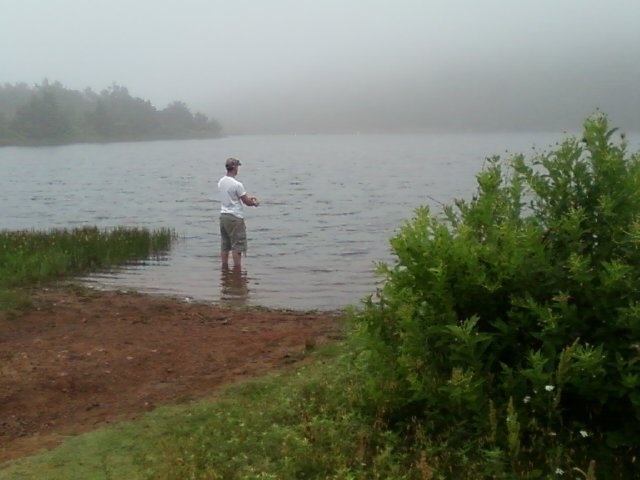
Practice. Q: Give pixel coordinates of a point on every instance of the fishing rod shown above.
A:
(436, 200)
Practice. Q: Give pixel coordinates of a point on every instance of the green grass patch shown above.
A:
(31, 257)
(298, 424)
(154, 446)
(104, 454)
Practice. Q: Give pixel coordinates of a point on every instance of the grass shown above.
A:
(293, 424)
(103, 454)
(30, 257)
(287, 425)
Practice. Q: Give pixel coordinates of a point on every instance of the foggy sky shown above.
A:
(303, 66)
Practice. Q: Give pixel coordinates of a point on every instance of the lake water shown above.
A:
(329, 204)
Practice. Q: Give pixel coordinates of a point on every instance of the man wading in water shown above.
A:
(233, 232)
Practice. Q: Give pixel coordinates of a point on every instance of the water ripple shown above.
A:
(325, 218)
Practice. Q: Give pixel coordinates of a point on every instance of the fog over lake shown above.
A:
(290, 66)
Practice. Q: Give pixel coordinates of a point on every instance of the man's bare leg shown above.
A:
(237, 258)
(224, 259)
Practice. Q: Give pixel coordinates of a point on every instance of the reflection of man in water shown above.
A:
(233, 283)
(232, 228)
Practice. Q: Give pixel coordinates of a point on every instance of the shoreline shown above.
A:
(231, 303)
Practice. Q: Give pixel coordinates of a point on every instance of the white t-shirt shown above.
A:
(230, 192)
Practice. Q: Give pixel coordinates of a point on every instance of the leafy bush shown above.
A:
(508, 330)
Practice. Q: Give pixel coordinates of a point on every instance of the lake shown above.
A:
(329, 205)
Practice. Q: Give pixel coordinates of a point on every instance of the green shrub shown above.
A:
(509, 328)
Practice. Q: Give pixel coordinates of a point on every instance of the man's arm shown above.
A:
(249, 201)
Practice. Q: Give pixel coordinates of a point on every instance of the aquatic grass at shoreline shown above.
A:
(29, 257)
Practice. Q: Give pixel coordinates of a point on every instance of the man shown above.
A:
(232, 228)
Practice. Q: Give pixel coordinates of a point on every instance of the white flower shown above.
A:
(549, 388)
(527, 399)
(559, 471)
(584, 433)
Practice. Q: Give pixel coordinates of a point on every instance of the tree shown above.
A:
(13, 97)
(51, 113)
(42, 118)
(4, 130)
(100, 122)
(177, 118)
(130, 117)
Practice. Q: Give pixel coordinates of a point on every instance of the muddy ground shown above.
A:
(80, 359)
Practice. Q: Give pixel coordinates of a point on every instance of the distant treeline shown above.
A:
(52, 114)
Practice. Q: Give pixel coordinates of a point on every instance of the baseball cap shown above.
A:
(232, 163)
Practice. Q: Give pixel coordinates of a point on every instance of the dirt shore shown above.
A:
(81, 359)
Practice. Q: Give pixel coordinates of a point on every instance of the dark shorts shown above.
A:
(233, 233)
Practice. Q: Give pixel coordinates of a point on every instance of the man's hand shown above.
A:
(255, 201)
